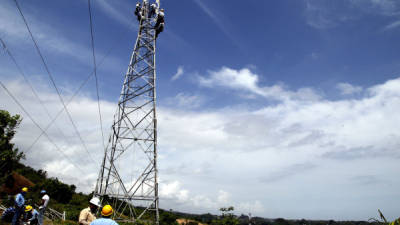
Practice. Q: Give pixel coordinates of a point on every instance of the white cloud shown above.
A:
(325, 14)
(178, 73)
(183, 100)
(247, 81)
(255, 207)
(381, 7)
(315, 55)
(173, 190)
(392, 25)
(223, 197)
(348, 89)
(257, 160)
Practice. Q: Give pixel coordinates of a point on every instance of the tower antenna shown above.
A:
(128, 177)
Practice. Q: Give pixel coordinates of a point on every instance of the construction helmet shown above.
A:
(24, 189)
(107, 210)
(28, 208)
(95, 201)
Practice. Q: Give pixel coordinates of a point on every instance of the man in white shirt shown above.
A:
(43, 206)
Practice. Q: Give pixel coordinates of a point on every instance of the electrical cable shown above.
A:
(38, 126)
(95, 72)
(7, 50)
(53, 82)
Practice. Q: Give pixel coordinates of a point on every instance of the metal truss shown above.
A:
(128, 175)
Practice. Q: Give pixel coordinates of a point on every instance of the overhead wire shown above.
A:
(95, 72)
(38, 126)
(53, 82)
(7, 50)
(76, 91)
(84, 82)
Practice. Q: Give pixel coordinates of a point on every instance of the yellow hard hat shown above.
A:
(107, 210)
(24, 189)
(28, 208)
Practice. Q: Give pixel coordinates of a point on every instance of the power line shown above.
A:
(112, 47)
(72, 97)
(38, 126)
(7, 50)
(95, 72)
(52, 80)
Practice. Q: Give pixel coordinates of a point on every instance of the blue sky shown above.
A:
(282, 108)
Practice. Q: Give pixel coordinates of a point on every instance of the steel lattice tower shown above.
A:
(128, 175)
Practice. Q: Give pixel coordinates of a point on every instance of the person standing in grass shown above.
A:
(43, 206)
(19, 205)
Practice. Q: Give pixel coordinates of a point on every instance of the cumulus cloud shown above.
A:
(174, 191)
(178, 73)
(257, 160)
(348, 89)
(247, 81)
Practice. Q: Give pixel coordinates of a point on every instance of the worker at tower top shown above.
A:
(159, 27)
(19, 205)
(160, 18)
(88, 215)
(106, 213)
(153, 8)
(145, 7)
(137, 11)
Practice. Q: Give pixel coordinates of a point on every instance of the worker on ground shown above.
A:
(43, 205)
(88, 215)
(106, 213)
(159, 27)
(8, 215)
(137, 11)
(31, 215)
(19, 205)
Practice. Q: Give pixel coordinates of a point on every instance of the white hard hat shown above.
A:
(95, 201)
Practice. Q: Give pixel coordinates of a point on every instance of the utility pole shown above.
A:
(128, 177)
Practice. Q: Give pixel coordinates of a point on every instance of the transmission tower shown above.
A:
(128, 174)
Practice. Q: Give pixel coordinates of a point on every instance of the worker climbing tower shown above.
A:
(128, 174)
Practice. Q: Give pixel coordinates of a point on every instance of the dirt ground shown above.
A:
(186, 221)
